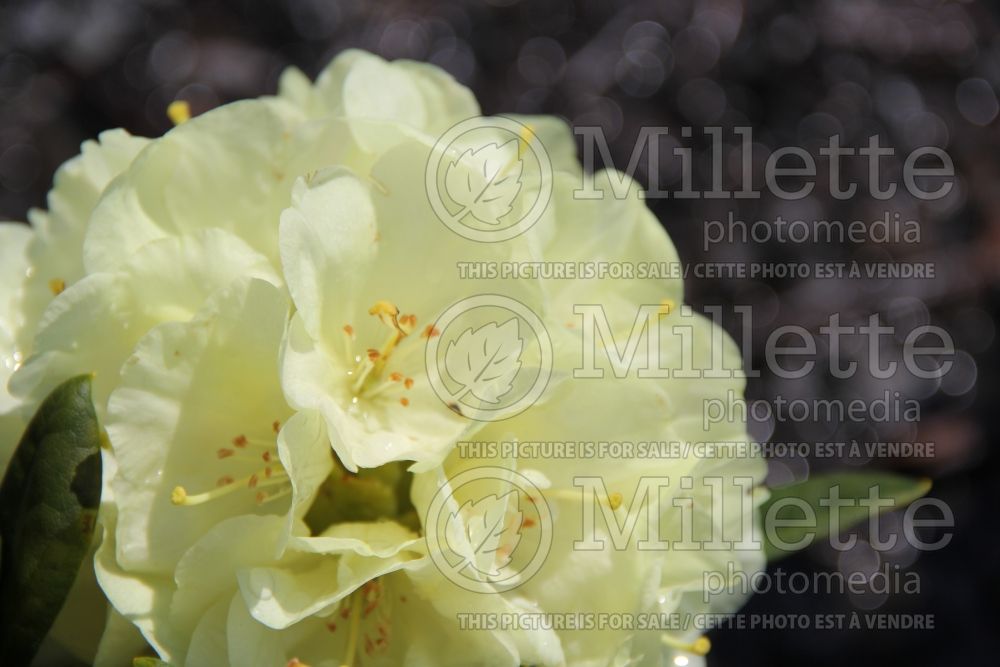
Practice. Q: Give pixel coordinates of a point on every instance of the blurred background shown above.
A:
(914, 72)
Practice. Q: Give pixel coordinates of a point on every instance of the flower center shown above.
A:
(371, 494)
(370, 376)
(267, 482)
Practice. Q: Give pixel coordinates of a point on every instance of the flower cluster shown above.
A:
(254, 292)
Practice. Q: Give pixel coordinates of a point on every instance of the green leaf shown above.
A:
(853, 486)
(48, 510)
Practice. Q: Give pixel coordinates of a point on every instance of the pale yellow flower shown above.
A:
(256, 290)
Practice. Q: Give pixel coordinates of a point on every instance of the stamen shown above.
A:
(387, 312)
(408, 323)
(613, 500)
(352, 637)
(243, 455)
(376, 360)
(700, 646)
(263, 497)
(372, 593)
(252, 450)
(378, 186)
(179, 112)
(526, 136)
(180, 495)
(392, 381)
(57, 286)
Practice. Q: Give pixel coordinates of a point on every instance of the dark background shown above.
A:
(916, 73)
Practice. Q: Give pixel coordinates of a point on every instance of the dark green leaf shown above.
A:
(852, 486)
(48, 509)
